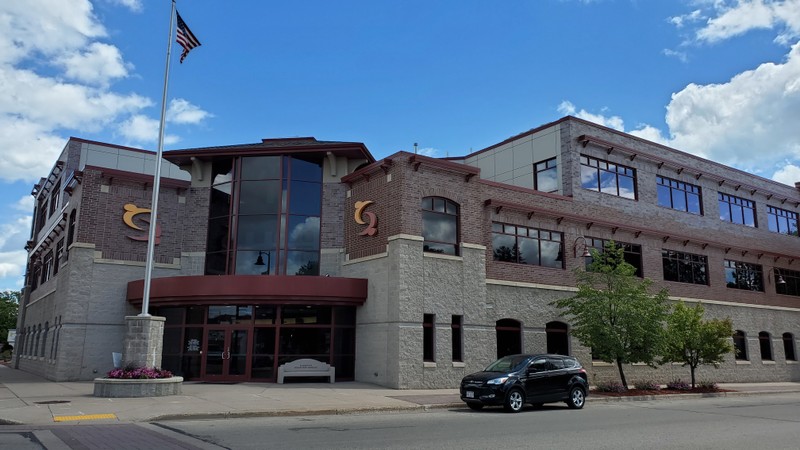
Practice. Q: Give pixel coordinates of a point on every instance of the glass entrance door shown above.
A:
(226, 354)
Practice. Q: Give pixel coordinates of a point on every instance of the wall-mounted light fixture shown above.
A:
(260, 261)
(585, 253)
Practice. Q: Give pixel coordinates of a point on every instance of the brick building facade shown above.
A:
(418, 271)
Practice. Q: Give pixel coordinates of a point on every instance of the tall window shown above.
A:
(54, 197)
(458, 338)
(740, 345)
(70, 233)
(440, 225)
(787, 282)
(679, 195)
(737, 210)
(545, 176)
(765, 343)
(606, 177)
(59, 256)
(47, 267)
(428, 341)
(788, 347)
(264, 217)
(782, 221)
(525, 245)
(633, 252)
(685, 267)
(742, 275)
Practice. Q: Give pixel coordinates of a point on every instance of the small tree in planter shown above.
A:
(692, 341)
(614, 313)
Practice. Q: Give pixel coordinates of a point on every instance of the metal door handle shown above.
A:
(228, 352)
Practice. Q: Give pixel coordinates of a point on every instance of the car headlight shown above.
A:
(500, 380)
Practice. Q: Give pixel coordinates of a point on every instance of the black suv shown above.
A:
(514, 380)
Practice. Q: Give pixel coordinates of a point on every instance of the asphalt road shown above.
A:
(752, 422)
(736, 422)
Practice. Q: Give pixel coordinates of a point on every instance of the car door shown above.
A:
(558, 379)
(536, 379)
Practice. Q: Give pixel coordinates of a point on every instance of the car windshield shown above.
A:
(507, 364)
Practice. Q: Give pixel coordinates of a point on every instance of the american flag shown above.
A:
(185, 37)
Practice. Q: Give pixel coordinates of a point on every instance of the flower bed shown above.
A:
(138, 382)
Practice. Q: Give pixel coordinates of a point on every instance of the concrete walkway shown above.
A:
(31, 400)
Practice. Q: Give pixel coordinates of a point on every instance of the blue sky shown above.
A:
(720, 79)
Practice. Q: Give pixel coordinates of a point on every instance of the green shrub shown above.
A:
(678, 385)
(647, 386)
(610, 386)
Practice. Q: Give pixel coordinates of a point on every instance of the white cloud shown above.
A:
(681, 56)
(788, 174)
(746, 15)
(614, 122)
(692, 17)
(133, 5)
(98, 64)
(747, 122)
(141, 129)
(183, 112)
(24, 204)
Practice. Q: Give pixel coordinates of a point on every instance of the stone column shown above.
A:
(144, 340)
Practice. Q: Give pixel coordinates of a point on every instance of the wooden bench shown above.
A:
(306, 368)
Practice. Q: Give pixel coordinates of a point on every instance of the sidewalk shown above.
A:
(31, 400)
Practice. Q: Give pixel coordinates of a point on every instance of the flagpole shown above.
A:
(151, 239)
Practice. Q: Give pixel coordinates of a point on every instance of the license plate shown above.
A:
(470, 394)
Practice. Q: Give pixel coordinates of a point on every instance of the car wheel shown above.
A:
(577, 398)
(514, 401)
(475, 406)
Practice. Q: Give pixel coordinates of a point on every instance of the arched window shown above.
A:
(440, 225)
(765, 343)
(509, 337)
(557, 338)
(740, 345)
(788, 347)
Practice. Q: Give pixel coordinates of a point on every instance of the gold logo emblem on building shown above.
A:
(372, 226)
(131, 211)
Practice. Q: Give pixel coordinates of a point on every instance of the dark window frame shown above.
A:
(765, 345)
(782, 221)
(429, 337)
(457, 327)
(544, 166)
(680, 189)
(600, 167)
(790, 284)
(452, 212)
(688, 267)
(740, 346)
(633, 252)
(737, 207)
(789, 347)
(539, 235)
(748, 276)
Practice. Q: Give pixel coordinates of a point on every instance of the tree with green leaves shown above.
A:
(9, 305)
(693, 341)
(614, 312)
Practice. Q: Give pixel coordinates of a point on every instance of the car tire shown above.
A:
(515, 400)
(577, 397)
(475, 406)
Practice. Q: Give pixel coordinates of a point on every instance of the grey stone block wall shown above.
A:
(86, 312)
(407, 283)
(144, 337)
